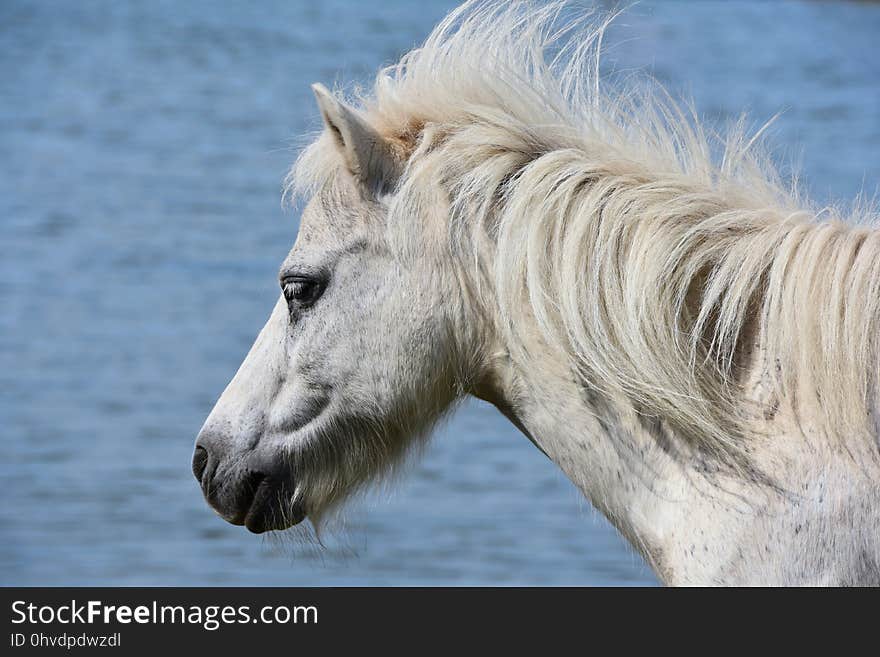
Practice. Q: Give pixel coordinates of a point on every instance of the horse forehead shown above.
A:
(330, 216)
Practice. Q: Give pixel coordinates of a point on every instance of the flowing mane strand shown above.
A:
(656, 255)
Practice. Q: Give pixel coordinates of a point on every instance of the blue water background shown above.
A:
(142, 146)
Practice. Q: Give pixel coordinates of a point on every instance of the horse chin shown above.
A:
(265, 517)
(271, 509)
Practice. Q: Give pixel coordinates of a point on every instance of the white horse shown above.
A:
(693, 345)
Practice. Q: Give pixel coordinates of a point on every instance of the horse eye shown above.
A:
(301, 291)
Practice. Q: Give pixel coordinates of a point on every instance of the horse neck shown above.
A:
(812, 519)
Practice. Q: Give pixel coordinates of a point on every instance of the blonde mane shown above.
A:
(663, 260)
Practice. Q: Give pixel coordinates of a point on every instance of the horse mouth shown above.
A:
(264, 504)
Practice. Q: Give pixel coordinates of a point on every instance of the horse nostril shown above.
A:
(200, 462)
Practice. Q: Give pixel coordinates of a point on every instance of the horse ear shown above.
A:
(369, 157)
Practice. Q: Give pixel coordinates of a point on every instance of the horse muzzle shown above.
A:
(246, 489)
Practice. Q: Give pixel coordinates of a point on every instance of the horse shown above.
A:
(686, 337)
